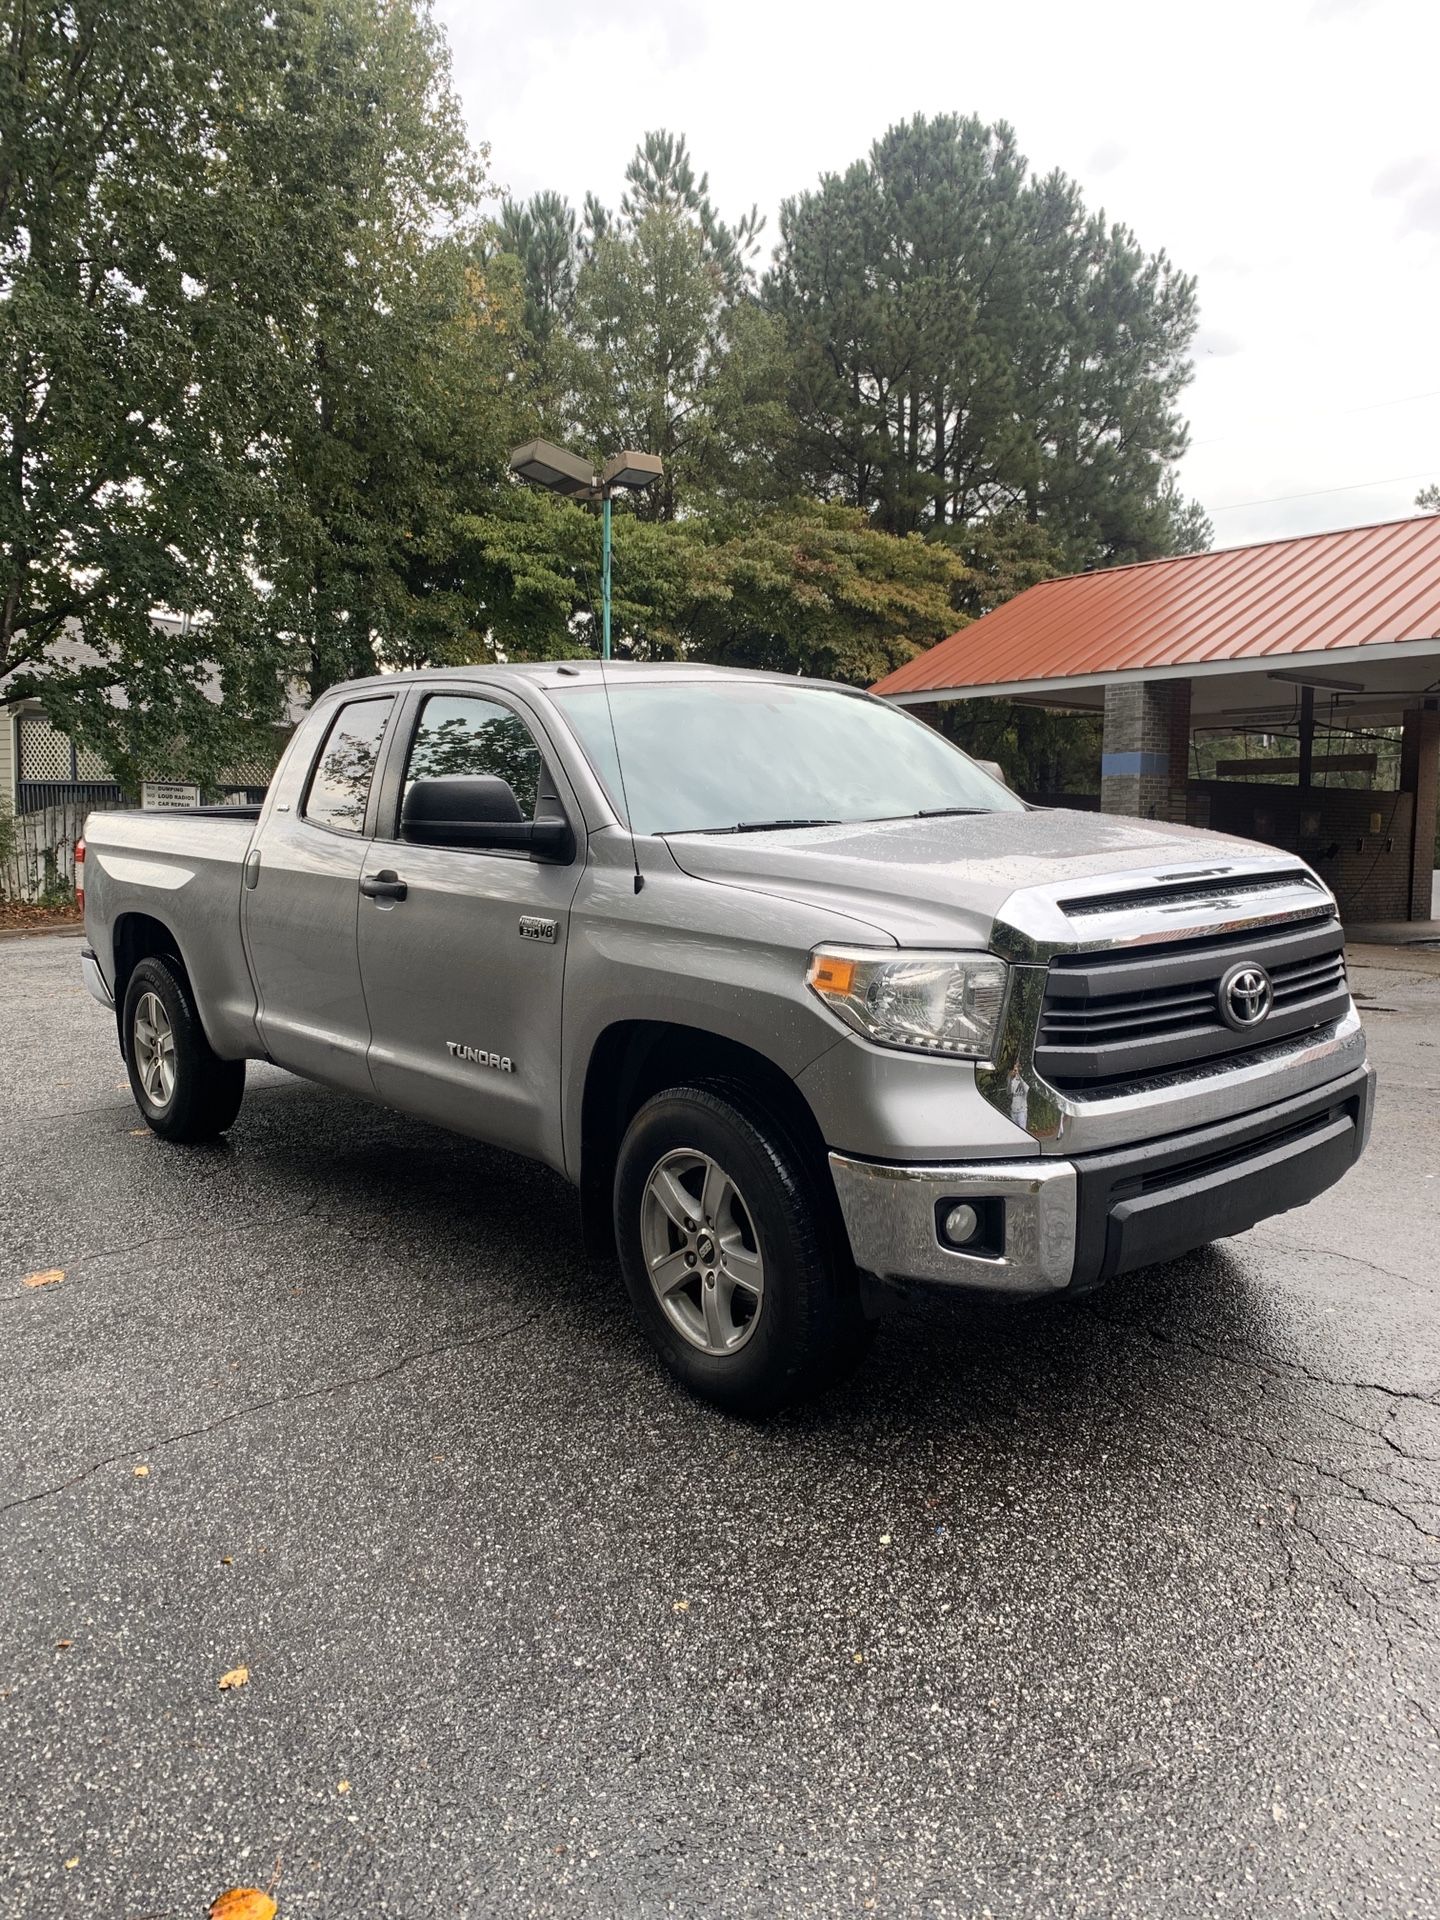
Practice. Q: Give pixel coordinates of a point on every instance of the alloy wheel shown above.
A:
(701, 1251)
(154, 1040)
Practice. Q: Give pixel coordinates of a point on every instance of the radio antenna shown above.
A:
(605, 683)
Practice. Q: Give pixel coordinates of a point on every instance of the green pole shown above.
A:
(605, 580)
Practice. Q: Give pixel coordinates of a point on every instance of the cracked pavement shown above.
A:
(1116, 1606)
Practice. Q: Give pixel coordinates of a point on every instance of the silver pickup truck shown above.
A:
(797, 995)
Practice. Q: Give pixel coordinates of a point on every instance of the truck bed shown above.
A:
(184, 869)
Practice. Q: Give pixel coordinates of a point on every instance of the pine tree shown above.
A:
(969, 341)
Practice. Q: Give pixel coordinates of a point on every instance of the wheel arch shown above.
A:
(137, 937)
(634, 1059)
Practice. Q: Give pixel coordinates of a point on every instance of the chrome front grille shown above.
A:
(1122, 1016)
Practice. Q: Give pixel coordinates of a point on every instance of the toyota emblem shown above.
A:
(1246, 996)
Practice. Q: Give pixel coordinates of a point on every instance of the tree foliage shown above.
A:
(127, 284)
(246, 356)
(809, 589)
(261, 358)
(970, 341)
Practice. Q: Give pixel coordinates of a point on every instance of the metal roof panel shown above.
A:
(1365, 586)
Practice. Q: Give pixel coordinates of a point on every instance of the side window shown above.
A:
(340, 784)
(461, 734)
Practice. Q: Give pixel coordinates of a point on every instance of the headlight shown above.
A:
(928, 1002)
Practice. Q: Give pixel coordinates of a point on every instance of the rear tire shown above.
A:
(184, 1090)
(733, 1256)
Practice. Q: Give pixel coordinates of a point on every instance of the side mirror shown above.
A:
(480, 811)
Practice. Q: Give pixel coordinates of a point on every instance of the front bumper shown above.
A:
(1074, 1223)
(95, 980)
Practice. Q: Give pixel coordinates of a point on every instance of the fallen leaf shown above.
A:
(61, 1645)
(243, 1903)
(236, 1677)
(139, 1133)
(344, 1787)
(859, 1659)
(141, 1473)
(70, 1865)
(884, 1539)
(226, 1560)
(51, 1277)
(679, 1606)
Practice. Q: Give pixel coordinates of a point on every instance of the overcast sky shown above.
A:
(1287, 152)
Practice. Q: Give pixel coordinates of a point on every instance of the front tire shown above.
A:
(184, 1090)
(734, 1264)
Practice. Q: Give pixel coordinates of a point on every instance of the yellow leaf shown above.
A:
(141, 1473)
(236, 1677)
(679, 1606)
(243, 1903)
(51, 1277)
(859, 1659)
(70, 1865)
(344, 1787)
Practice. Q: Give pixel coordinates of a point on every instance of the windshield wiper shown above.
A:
(940, 813)
(748, 826)
(764, 826)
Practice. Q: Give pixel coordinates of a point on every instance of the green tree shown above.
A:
(809, 588)
(392, 403)
(969, 341)
(1428, 499)
(643, 330)
(249, 359)
(661, 179)
(131, 342)
(542, 235)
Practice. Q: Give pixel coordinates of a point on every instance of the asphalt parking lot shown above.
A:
(1117, 1607)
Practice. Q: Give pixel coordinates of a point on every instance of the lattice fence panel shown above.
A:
(44, 753)
(89, 765)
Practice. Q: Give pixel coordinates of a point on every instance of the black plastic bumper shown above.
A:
(1151, 1203)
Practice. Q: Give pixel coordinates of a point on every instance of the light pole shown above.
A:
(558, 470)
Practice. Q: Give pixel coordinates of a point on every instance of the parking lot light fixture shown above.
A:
(558, 470)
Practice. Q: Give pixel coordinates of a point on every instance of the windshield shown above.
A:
(731, 755)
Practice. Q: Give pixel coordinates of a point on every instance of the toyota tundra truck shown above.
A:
(799, 998)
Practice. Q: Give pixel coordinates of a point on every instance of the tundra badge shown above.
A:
(479, 1056)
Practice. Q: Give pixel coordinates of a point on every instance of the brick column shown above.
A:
(1145, 756)
(1420, 774)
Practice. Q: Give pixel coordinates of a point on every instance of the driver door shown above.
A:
(463, 974)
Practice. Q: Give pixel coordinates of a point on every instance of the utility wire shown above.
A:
(1356, 486)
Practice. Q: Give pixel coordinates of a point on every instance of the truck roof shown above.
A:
(555, 675)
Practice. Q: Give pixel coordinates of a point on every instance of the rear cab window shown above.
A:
(339, 790)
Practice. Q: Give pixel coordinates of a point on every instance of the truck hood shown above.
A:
(942, 881)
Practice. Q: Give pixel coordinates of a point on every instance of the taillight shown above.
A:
(80, 872)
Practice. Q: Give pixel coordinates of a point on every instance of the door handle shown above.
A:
(385, 885)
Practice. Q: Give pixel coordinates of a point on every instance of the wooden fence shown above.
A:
(37, 852)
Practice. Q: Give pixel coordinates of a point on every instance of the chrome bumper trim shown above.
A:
(889, 1215)
(95, 980)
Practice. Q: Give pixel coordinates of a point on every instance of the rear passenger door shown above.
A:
(300, 899)
(463, 975)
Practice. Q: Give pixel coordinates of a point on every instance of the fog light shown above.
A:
(962, 1223)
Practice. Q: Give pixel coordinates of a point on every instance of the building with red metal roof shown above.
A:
(1336, 630)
